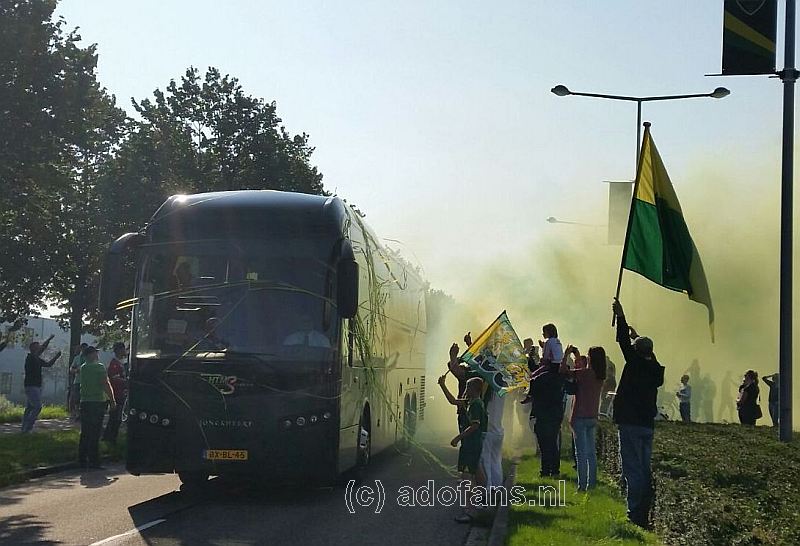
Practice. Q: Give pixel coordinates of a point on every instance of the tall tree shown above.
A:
(41, 122)
(236, 140)
(58, 127)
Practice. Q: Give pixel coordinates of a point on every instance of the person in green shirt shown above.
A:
(471, 437)
(95, 392)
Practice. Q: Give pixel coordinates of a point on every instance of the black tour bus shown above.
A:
(272, 337)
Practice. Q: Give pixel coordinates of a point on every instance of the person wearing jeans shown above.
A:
(33, 382)
(634, 413)
(589, 381)
(635, 450)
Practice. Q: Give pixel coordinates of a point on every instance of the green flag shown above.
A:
(658, 245)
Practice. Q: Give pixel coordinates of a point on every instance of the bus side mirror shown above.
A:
(112, 274)
(347, 289)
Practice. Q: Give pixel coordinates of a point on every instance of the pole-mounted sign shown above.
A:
(748, 37)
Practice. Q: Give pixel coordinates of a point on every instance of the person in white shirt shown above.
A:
(307, 335)
(552, 352)
(492, 452)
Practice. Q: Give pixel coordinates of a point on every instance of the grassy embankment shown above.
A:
(596, 517)
(720, 484)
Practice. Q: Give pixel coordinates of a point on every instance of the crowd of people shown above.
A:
(565, 383)
(558, 375)
(94, 390)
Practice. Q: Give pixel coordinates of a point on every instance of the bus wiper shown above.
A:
(262, 357)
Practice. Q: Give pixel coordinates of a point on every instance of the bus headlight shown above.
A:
(132, 411)
(287, 423)
(142, 416)
(313, 419)
(326, 415)
(301, 421)
(165, 422)
(154, 418)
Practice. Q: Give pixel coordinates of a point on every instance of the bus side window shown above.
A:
(347, 342)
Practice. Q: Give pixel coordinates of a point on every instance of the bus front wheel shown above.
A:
(193, 481)
(364, 442)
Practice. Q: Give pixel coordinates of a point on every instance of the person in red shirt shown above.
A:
(119, 384)
(589, 379)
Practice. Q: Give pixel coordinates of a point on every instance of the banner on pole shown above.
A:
(748, 37)
(498, 358)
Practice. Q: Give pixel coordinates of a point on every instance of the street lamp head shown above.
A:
(720, 93)
(552, 219)
(561, 90)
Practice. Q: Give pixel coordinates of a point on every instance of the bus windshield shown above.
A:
(210, 299)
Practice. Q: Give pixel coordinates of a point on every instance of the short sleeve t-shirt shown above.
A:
(93, 378)
(477, 413)
(553, 350)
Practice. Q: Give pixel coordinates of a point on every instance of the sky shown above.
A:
(436, 119)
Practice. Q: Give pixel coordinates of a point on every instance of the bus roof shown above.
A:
(203, 215)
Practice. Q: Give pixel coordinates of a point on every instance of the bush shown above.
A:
(719, 484)
(12, 413)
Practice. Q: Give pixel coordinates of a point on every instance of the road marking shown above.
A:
(132, 532)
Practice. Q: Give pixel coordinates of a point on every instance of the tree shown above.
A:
(41, 122)
(235, 141)
(59, 126)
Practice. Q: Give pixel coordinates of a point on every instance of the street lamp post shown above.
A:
(563, 91)
(554, 220)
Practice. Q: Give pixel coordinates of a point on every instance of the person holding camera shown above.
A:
(589, 381)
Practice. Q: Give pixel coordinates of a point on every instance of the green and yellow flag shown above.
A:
(658, 245)
(498, 357)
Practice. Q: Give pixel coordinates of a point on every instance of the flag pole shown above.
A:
(630, 216)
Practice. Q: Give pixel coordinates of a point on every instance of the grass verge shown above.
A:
(720, 484)
(23, 452)
(596, 517)
(13, 414)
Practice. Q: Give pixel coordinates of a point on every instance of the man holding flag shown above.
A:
(634, 413)
(659, 247)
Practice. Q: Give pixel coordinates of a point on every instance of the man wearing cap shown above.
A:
(634, 413)
(95, 390)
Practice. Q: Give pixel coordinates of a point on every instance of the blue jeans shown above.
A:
(686, 411)
(583, 432)
(635, 450)
(32, 407)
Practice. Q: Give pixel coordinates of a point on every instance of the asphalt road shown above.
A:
(109, 506)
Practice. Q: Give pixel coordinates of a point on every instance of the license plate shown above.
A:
(225, 454)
